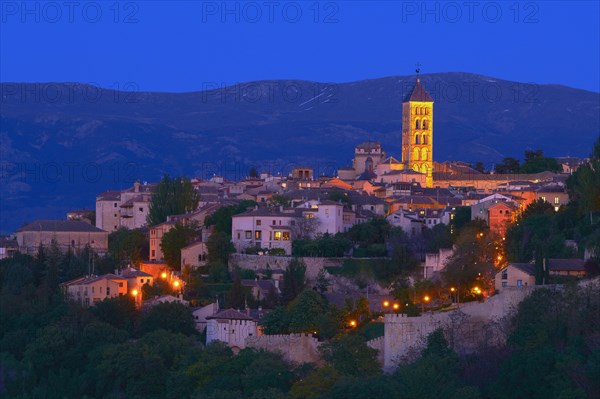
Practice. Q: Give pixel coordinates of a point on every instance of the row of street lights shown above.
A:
(176, 285)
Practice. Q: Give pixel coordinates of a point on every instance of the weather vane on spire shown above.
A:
(418, 69)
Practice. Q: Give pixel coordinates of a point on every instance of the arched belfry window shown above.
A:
(424, 154)
(417, 139)
(425, 139)
(426, 111)
(418, 124)
(425, 124)
(416, 154)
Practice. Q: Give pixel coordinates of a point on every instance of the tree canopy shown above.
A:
(172, 196)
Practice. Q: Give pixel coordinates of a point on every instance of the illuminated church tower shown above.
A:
(417, 131)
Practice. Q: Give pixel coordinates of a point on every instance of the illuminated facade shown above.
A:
(417, 132)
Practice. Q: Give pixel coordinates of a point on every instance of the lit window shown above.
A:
(556, 201)
(277, 236)
(258, 235)
(519, 283)
(286, 236)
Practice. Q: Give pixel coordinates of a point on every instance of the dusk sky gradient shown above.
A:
(185, 46)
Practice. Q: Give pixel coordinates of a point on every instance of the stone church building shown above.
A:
(370, 160)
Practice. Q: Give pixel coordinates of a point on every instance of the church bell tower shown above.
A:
(417, 131)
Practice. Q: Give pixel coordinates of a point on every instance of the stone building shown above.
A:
(231, 327)
(68, 234)
(417, 132)
(90, 290)
(370, 161)
(515, 275)
(124, 208)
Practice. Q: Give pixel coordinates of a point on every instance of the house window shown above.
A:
(115, 204)
(107, 291)
(93, 289)
(277, 236)
(504, 283)
(286, 236)
(556, 201)
(248, 235)
(141, 209)
(258, 222)
(121, 284)
(153, 253)
(504, 274)
(274, 222)
(519, 283)
(258, 235)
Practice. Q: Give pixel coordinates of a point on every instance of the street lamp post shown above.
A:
(425, 299)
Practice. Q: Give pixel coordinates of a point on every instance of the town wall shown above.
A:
(257, 262)
(379, 345)
(467, 328)
(295, 348)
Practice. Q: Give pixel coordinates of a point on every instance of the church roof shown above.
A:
(367, 175)
(369, 145)
(418, 93)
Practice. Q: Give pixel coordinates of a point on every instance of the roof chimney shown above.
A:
(136, 186)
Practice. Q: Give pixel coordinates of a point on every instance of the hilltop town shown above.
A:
(383, 256)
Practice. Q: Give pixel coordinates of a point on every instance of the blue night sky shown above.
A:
(182, 46)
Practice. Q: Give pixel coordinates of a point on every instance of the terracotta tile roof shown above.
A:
(566, 264)
(61, 225)
(528, 268)
(131, 272)
(418, 93)
(230, 314)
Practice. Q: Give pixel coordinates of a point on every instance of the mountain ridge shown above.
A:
(271, 124)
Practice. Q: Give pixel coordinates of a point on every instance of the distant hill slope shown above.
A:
(63, 143)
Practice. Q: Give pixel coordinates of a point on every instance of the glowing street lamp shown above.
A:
(425, 299)
(352, 323)
(386, 304)
(396, 306)
(134, 293)
(163, 275)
